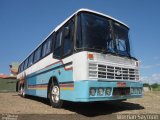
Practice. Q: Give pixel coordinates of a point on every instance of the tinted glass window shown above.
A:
(67, 47)
(25, 64)
(37, 54)
(58, 41)
(95, 31)
(30, 60)
(98, 33)
(68, 39)
(122, 40)
(22, 67)
(46, 47)
(64, 40)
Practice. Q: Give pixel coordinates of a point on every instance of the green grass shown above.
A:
(155, 86)
(8, 85)
(156, 89)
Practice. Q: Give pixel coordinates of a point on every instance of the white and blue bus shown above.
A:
(86, 58)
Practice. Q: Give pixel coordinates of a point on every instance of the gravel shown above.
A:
(14, 104)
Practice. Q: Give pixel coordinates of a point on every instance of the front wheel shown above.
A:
(55, 96)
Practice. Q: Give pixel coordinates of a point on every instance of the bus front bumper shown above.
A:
(88, 91)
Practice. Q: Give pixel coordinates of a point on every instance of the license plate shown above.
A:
(121, 91)
(121, 84)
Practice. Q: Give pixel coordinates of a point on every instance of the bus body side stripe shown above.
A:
(63, 86)
(63, 65)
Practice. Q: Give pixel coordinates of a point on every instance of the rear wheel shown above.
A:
(22, 91)
(54, 96)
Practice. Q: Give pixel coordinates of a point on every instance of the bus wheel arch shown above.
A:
(53, 79)
(53, 93)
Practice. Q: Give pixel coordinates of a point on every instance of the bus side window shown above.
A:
(30, 62)
(22, 67)
(37, 54)
(68, 39)
(26, 64)
(47, 46)
(58, 44)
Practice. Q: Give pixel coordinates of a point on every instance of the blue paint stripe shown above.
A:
(44, 70)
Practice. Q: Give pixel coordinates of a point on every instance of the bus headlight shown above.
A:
(92, 91)
(100, 91)
(136, 90)
(108, 91)
(139, 91)
(132, 91)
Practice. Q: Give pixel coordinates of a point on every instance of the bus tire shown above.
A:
(22, 91)
(54, 96)
(17, 86)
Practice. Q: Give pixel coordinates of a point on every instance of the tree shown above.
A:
(155, 85)
(146, 85)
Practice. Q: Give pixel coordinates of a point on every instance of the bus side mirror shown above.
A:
(66, 31)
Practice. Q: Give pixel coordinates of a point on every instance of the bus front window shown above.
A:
(101, 34)
(121, 38)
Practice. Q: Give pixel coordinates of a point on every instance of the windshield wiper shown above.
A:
(93, 49)
(106, 51)
(128, 56)
(131, 57)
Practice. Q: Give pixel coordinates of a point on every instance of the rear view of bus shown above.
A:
(86, 58)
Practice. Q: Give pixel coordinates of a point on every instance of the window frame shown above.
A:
(32, 60)
(50, 38)
(20, 68)
(71, 21)
(25, 66)
(35, 61)
(58, 47)
(61, 47)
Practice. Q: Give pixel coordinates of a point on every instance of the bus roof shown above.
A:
(88, 10)
(78, 11)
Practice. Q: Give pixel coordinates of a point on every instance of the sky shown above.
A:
(25, 23)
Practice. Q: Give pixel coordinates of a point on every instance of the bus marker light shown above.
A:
(90, 56)
(121, 84)
(137, 64)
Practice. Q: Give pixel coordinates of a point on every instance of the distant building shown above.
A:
(3, 76)
(8, 83)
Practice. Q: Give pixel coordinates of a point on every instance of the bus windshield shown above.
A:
(98, 33)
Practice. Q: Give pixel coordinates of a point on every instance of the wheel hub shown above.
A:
(55, 94)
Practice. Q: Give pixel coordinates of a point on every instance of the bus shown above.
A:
(86, 58)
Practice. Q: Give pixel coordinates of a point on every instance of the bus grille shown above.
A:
(112, 72)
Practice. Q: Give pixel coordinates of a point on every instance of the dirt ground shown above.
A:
(12, 103)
